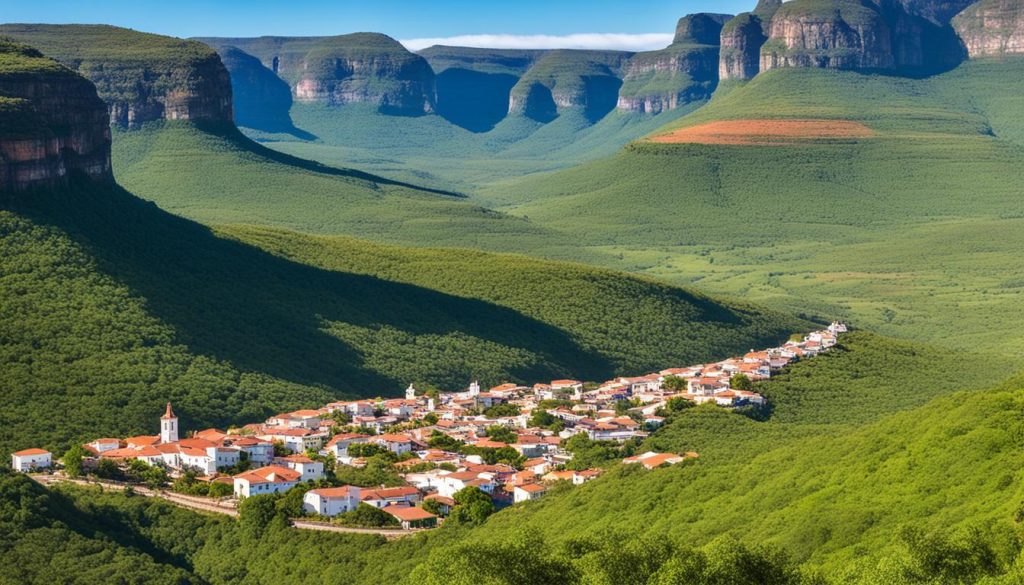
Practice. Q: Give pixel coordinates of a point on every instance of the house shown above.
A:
(147, 454)
(452, 483)
(652, 460)
(383, 497)
(444, 504)
(100, 445)
(296, 440)
(31, 460)
(299, 419)
(309, 469)
(339, 444)
(525, 493)
(265, 480)
(331, 501)
(395, 443)
(258, 451)
(411, 517)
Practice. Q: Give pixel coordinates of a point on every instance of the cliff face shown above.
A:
(52, 123)
(843, 35)
(686, 71)
(142, 77)
(741, 40)
(562, 79)
(992, 28)
(356, 68)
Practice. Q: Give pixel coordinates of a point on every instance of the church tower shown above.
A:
(169, 426)
(410, 393)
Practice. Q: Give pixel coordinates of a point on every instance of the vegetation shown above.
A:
(148, 307)
(897, 233)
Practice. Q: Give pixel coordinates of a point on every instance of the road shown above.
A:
(225, 507)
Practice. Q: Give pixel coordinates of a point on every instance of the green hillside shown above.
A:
(112, 306)
(826, 491)
(912, 231)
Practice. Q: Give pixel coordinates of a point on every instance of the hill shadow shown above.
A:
(231, 133)
(264, 313)
(262, 100)
(474, 100)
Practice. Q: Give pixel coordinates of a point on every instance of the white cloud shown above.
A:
(607, 41)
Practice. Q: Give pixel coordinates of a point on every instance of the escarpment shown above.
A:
(52, 124)
(563, 79)
(142, 77)
(348, 69)
(741, 40)
(992, 28)
(685, 71)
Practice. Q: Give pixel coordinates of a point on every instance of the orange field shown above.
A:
(765, 132)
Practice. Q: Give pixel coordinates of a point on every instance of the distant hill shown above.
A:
(823, 191)
(142, 77)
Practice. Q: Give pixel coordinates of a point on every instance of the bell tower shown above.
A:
(169, 426)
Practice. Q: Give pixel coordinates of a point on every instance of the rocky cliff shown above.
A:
(142, 77)
(840, 34)
(741, 40)
(474, 85)
(562, 79)
(686, 71)
(992, 28)
(357, 68)
(52, 124)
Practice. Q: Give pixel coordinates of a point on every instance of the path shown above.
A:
(225, 507)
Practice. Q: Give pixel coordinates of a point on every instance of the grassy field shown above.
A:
(911, 232)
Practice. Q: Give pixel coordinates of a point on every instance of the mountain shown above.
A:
(348, 69)
(55, 124)
(684, 72)
(184, 80)
(991, 28)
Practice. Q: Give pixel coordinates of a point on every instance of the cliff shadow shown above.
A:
(474, 100)
(264, 313)
(262, 100)
(231, 133)
(539, 104)
(602, 93)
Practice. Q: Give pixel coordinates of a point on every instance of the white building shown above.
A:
(265, 480)
(169, 426)
(339, 444)
(31, 460)
(309, 469)
(525, 493)
(331, 501)
(395, 443)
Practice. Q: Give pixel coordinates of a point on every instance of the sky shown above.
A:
(597, 24)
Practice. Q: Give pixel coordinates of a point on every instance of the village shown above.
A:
(511, 443)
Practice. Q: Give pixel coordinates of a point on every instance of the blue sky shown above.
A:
(520, 21)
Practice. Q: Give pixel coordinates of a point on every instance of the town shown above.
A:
(510, 443)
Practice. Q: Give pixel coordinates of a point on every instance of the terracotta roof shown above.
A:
(393, 438)
(270, 474)
(338, 492)
(409, 513)
(532, 488)
(28, 452)
(386, 493)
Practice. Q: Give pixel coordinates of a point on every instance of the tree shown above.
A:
(430, 418)
(367, 516)
(367, 450)
(674, 383)
(439, 440)
(741, 382)
(472, 506)
(432, 506)
(280, 450)
(107, 469)
(219, 490)
(73, 461)
(677, 404)
(256, 513)
(502, 410)
(501, 434)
